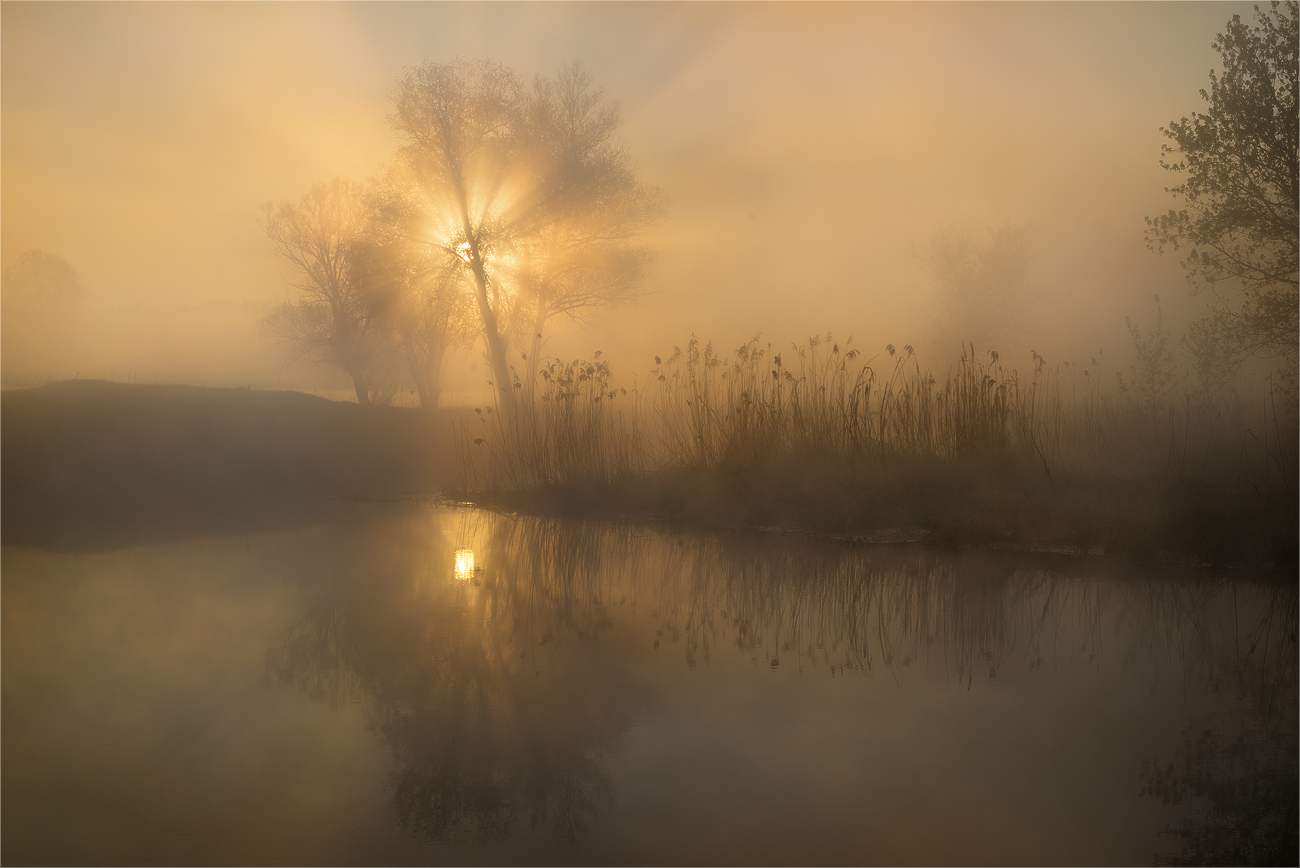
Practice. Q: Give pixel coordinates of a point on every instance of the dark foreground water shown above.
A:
(419, 684)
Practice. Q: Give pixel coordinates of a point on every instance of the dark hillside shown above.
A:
(93, 464)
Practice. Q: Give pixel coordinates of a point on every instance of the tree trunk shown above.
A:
(420, 388)
(491, 332)
(433, 381)
(359, 384)
(535, 352)
(416, 368)
(496, 346)
(350, 360)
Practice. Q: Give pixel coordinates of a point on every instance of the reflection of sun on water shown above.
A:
(465, 565)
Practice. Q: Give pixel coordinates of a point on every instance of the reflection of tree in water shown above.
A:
(1244, 779)
(490, 717)
(502, 697)
(1240, 767)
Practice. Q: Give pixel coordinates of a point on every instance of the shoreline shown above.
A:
(1176, 523)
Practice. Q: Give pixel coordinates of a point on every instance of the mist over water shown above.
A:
(581, 692)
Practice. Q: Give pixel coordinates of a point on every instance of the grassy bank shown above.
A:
(818, 438)
(93, 464)
(819, 441)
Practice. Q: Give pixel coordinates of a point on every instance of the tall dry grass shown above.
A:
(756, 408)
(574, 426)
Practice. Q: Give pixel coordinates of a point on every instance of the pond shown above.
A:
(416, 683)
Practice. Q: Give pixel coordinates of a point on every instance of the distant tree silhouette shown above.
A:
(420, 296)
(1240, 162)
(326, 235)
(431, 316)
(40, 283)
(984, 285)
(40, 295)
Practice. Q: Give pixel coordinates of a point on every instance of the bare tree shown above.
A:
(459, 121)
(588, 207)
(527, 192)
(326, 234)
(434, 318)
(423, 301)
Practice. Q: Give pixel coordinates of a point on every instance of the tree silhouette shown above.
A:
(984, 285)
(525, 191)
(325, 235)
(420, 296)
(1240, 160)
(40, 296)
(430, 316)
(587, 207)
(459, 121)
(39, 283)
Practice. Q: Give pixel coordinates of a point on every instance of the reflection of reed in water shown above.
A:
(971, 616)
(458, 677)
(836, 606)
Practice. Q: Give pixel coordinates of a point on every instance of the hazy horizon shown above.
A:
(808, 153)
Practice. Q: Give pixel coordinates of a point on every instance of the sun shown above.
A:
(464, 565)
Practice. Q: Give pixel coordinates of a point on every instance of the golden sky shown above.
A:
(807, 151)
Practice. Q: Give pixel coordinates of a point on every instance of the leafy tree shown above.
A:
(39, 283)
(326, 235)
(1240, 162)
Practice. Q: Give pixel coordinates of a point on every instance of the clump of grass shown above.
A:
(820, 436)
(575, 428)
(740, 413)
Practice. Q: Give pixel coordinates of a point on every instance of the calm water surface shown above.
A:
(433, 685)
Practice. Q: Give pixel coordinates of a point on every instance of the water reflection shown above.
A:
(462, 677)
(502, 659)
(464, 570)
(1238, 767)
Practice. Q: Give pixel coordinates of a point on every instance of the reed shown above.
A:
(574, 427)
(821, 415)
